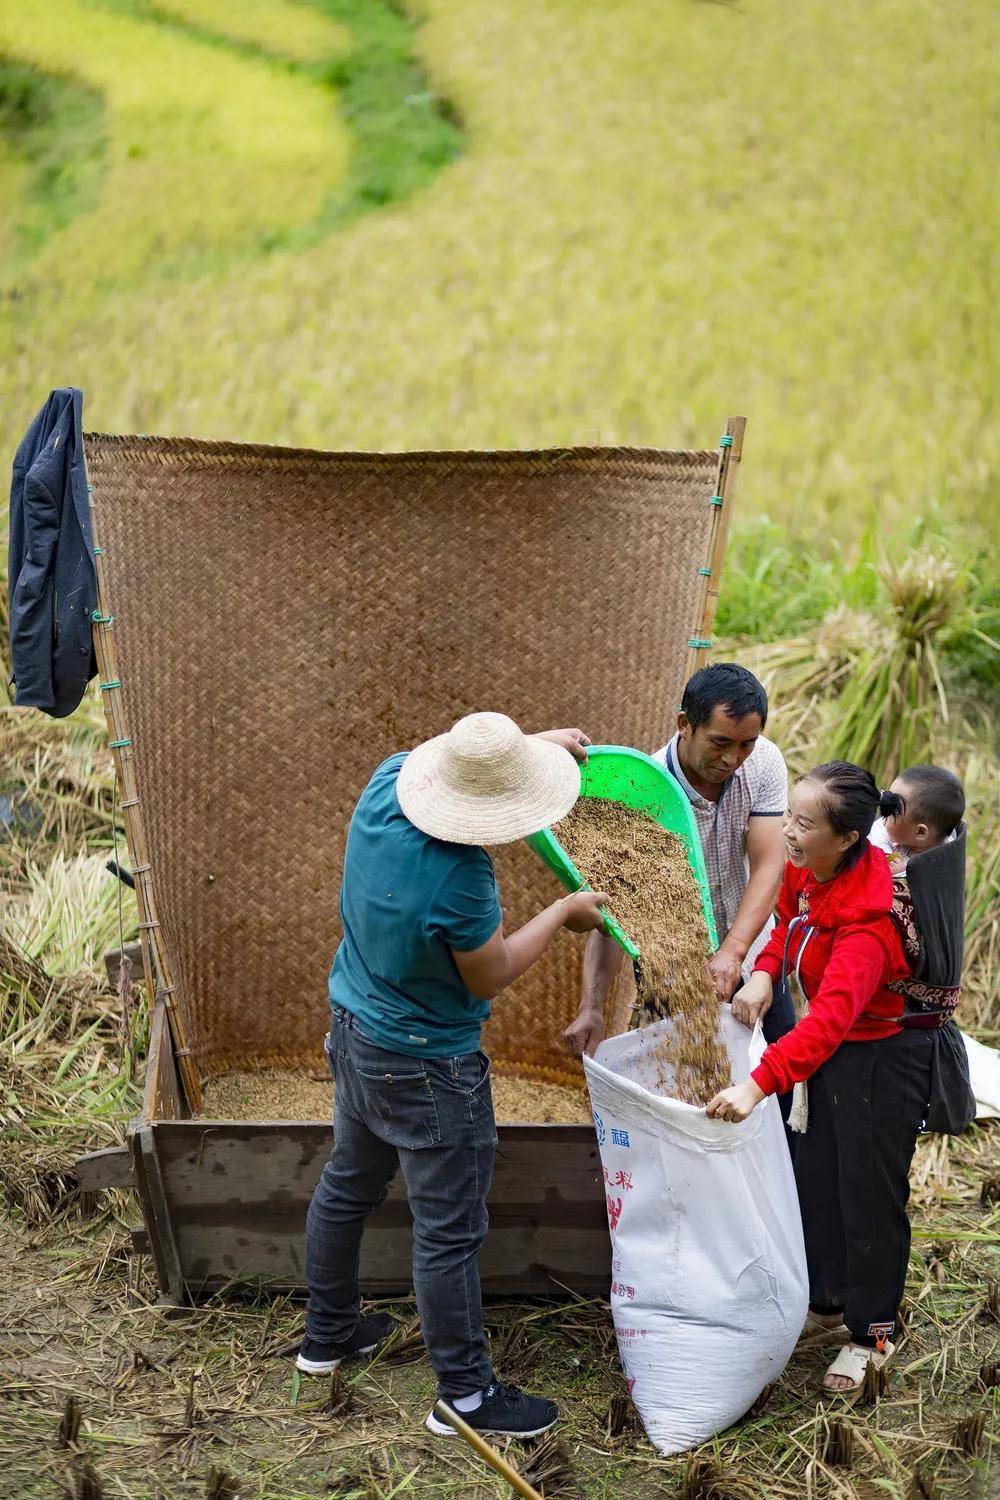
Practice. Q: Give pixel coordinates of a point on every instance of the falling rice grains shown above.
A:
(653, 894)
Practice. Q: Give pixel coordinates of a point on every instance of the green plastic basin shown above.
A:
(620, 774)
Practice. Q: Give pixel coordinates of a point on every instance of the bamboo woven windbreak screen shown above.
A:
(285, 619)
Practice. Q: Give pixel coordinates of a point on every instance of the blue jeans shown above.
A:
(433, 1119)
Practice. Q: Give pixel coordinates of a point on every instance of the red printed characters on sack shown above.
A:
(614, 1211)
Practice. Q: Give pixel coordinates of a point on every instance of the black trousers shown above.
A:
(852, 1166)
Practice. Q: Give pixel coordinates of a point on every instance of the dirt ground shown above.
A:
(164, 1399)
(205, 1402)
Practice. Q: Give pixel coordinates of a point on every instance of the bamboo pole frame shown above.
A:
(150, 932)
(730, 454)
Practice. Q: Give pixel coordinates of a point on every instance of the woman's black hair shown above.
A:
(853, 802)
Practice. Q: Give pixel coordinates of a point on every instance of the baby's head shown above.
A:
(933, 807)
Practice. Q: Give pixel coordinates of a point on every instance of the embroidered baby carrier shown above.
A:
(928, 910)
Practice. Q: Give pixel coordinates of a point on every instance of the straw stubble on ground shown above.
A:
(165, 1398)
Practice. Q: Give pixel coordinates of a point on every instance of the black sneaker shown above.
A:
(315, 1358)
(504, 1410)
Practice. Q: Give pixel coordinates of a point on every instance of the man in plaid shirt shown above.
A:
(737, 784)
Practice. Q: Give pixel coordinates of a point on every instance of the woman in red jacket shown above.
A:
(868, 1076)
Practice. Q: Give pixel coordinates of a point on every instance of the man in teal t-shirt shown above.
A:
(422, 954)
(405, 901)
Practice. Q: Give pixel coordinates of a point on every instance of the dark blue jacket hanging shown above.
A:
(51, 577)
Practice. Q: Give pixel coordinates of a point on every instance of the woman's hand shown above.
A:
(586, 1033)
(736, 1103)
(754, 1000)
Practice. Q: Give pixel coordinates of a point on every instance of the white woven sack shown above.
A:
(709, 1286)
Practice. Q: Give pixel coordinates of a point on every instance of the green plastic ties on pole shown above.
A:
(699, 643)
(120, 744)
(107, 686)
(100, 619)
(705, 572)
(717, 500)
(90, 489)
(725, 441)
(98, 551)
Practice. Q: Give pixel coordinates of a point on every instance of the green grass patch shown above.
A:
(52, 150)
(402, 133)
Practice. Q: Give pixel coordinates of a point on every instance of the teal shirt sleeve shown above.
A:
(464, 911)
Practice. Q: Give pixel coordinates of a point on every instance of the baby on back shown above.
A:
(933, 808)
(925, 844)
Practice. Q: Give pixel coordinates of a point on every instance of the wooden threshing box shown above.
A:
(272, 624)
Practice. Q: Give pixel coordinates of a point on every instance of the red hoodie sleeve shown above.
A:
(857, 968)
(769, 958)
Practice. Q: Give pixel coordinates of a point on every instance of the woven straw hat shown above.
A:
(484, 782)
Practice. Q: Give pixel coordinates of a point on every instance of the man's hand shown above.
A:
(754, 1000)
(726, 969)
(573, 740)
(735, 1104)
(586, 1033)
(582, 910)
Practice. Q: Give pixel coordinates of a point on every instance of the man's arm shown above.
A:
(602, 959)
(766, 855)
(501, 960)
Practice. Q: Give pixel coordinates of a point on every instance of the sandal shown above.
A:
(852, 1362)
